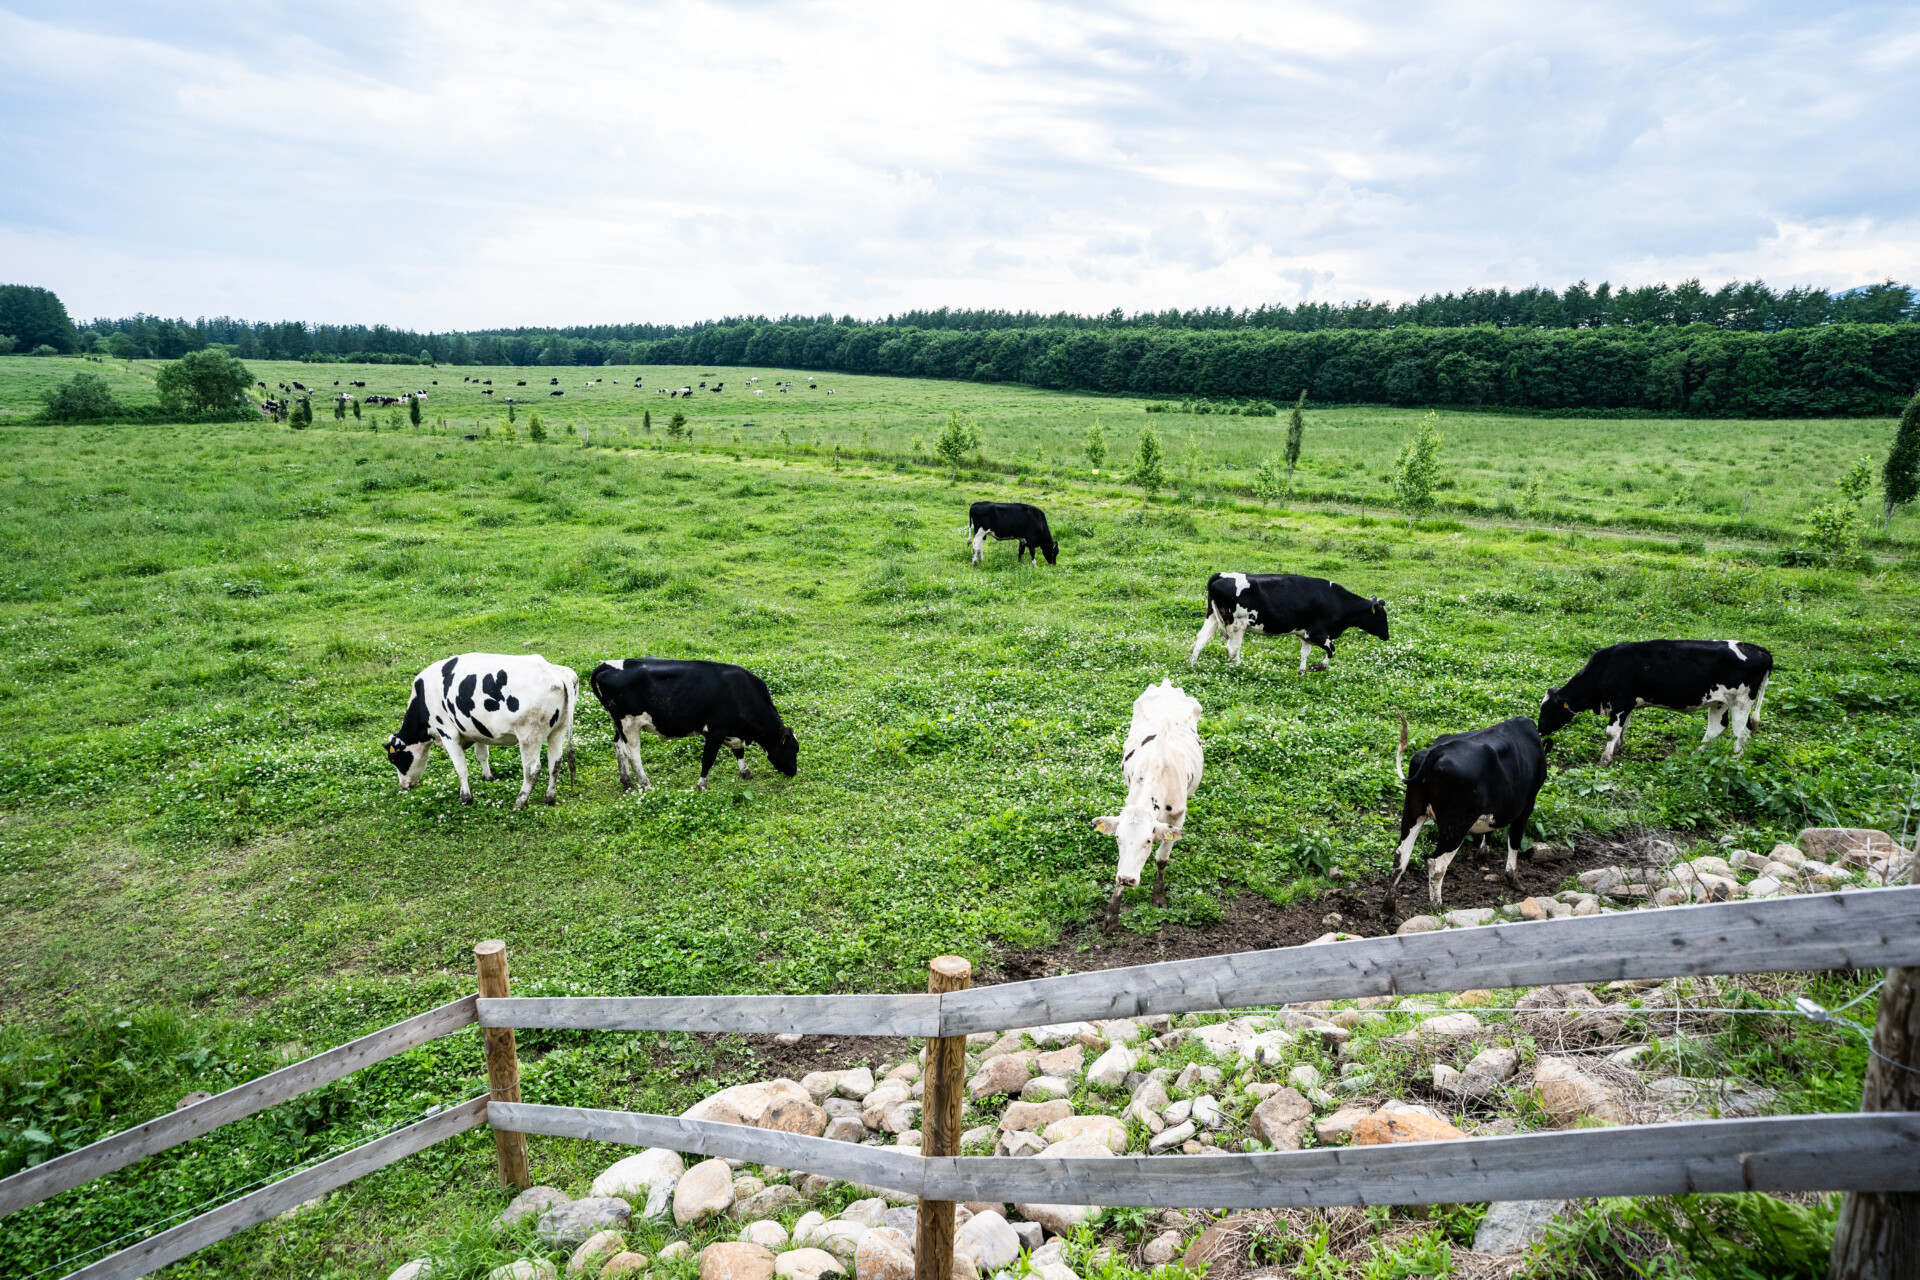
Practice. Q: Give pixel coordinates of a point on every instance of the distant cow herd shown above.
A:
(1466, 784)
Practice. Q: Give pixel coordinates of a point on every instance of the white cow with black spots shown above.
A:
(483, 700)
(1161, 763)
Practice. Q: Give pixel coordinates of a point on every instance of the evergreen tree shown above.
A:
(646, 421)
(1417, 472)
(536, 429)
(413, 410)
(1149, 464)
(1096, 445)
(356, 411)
(1296, 430)
(340, 409)
(1901, 474)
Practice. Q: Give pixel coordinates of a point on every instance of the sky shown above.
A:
(468, 165)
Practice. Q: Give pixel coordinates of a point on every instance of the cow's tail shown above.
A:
(569, 702)
(1400, 751)
(1759, 696)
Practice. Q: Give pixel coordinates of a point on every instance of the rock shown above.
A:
(837, 1107)
(1352, 1019)
(1220, 1244)
(1268, 1048)
(1105, 1130)
(982, 1136)
(1020, 1142)
(1109, 1070)
(804, 1226)
(1587, 906)
(1669, 897)
(1060, 1219)
(1070, 1061)
(193, 1099)
(568, 1226)
(1034, 1116)
(807, 1264)
(1045, 1089)
(1281, 1120)
(772, 1104)
(1172, 1137)
(1055, 1271)
(594, 1252)
(1489, 1069)
(1513, 1226)
(1221, 1038)
(418, 1269)
(1846, 844)
(857, 1083)
(905, 1219)
(626, 1264)
(744, 1185)
(1066, 1033)
(989, 1239)
(675, 1249)
(1630, 1055)
(883, 1254)
(889, 1109)
(839, 1237)
(525, 1269)
(532, 1201)
(646, 1179)
(766, 1233)
(1762, 887)
(1052, 1251)
(704, 1190)
(1031, 1234)
(1120, 1030)
(1149, 1101)
(1179, 1112)
(870, 1212)
(1536, 909)
(1786, 853)
(1469, 917)
(765, 1203)
(1404, 1126)
(1471, 999)
(1162, 1249)
(846, 1129)
(1420, 924)
(1196, 1075)
(1445, 1078)
(1206, 1112)
(1568, 1094)
(735, 1260)
(820, 1085)
(1006, 1073)
(1449, 1026)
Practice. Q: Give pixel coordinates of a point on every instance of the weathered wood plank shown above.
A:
(851, 1015)
(1873, 928)
(896, 1170)
(229, 1219)
(1858, 1151)
(1781, 1153)
(62, 1173)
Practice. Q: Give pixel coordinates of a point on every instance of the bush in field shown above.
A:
(1416, 474)
(646, 421)
(356, 411)
(677, 425)
(339, 409)
(1096, 446)
(1269, 481)
(202, 380)
(1149, 464)
(536, 429)
(1833, 527)
(1900, 477)
(1296, 432)
(958, 438)
(83, 396)
(413, 410)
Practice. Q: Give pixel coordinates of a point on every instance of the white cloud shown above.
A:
(453, 166)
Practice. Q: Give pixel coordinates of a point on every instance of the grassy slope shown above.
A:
(210, 629)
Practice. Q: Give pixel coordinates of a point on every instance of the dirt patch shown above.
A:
(1253, 923)
(826, 1053)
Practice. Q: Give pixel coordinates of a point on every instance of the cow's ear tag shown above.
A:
(1567, 705)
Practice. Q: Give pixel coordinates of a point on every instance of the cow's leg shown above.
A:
(1200, 642)
(529, 770)
(1739, 713)
(485, 762)
(979, 545)
(1450, 832)
(739, 750)
(1516, 832)
(1160, 873)
(1306, 649)
(1437, 873)
(1236, 636)
(1616, 733)
(1111, 921)
(1326, 645)
(630, 740)
(708, 754)
(1409, 832)
(458, 754)
(1716, 715)
(556, 747)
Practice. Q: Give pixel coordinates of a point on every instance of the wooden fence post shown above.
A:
(503, 1066)
(941, 1105)
(1878, 1234)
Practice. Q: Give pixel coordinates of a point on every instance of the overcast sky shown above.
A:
(463, 165)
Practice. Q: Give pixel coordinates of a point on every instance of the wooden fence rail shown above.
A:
(1856, 1151)
(62, 1173)
(1872, 928)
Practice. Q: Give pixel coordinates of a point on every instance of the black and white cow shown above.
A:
(1286, 604)
(676, 698)
(1011, 521)
(1468, 784)
(1727, 677)
(483, 700)
(1161, 762)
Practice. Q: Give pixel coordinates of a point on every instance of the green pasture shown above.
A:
(206, 866)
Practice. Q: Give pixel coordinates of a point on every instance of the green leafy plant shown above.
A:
(959, 437)
(1095, 446)
(1296, 433)
(83, 396)
(1833, 527)
(1149, 463)
(677, 425)
(413, 410)
(1900, 474)
(1416, 472)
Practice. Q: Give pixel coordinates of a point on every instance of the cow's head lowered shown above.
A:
(1373, 619)
(1136, 828)
(407, 749)
(1052, 547)
(784, 755)
(1557, 711)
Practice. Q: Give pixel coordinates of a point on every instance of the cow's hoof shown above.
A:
(1160, 900)
(549, 799)
(1318, 666)
(700, 785)
(746, 775)
(518, 805)
(466, 797)
(626, 784)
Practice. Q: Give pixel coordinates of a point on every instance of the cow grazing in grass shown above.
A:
(1161, 763)
(1727, 677)
(727, 705)
(1468, 784)
(483, 700)
(1011, 521)
(1286, 604)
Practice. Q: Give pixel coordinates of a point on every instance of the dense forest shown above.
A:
(1740, 350)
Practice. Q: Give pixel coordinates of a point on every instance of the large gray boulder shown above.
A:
(1511, 1226)
(566, 1227)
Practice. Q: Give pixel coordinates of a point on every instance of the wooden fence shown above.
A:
(1866, 1151)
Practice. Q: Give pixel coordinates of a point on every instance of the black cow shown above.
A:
(1468, 784)
(673, 698)
(1018, 521)
(1727, 677)
(1286, 604)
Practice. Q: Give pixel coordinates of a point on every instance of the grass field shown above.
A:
(205, 865)
(1753, 478)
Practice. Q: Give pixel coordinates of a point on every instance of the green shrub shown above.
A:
(82, 397)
